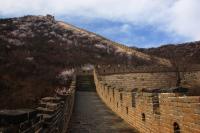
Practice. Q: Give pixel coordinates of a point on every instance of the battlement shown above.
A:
(146, 98)
(52, 115)
(150, 112)
(119, 69)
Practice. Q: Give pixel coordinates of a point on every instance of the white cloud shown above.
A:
(180, 17)
(186, 18)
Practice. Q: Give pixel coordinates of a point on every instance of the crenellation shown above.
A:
(150, 111)
(121, 69)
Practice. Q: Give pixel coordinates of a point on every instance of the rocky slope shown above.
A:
(181, 54)
(35, 50)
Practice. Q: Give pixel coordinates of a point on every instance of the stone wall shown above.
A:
(52, 115)
(142, 80)
(152, 112)
(151, 77)
(191, 77)
(191, 80)
(122, 69)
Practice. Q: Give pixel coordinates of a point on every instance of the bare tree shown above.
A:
(179, 63)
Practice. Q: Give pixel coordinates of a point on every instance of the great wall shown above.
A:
(150, 112)
(145, 98)
(114, 98)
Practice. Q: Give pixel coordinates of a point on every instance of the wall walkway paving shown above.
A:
(91, 115)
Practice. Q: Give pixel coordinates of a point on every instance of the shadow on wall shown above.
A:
(168, 112)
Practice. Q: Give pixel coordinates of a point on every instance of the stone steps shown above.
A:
(85, 83)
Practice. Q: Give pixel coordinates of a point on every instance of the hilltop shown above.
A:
(186, 53)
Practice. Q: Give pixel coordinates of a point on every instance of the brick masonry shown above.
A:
(150, 112)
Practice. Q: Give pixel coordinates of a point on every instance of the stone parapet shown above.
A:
(152, 112)
(52, 115)
(122, 69)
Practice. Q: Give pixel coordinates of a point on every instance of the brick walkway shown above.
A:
(92, 116)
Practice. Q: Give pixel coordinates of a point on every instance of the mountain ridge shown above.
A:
(124, 48)
(188, 52)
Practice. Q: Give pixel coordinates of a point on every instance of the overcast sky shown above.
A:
(141, 23)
